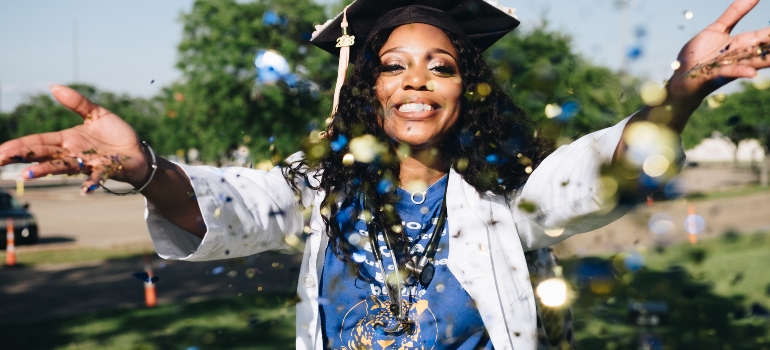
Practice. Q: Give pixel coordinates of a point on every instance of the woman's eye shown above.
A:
(392, 68)
(444, 70)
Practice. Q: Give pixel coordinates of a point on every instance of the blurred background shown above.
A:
(227, 82)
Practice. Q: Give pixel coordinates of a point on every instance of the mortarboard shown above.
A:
(482, 22)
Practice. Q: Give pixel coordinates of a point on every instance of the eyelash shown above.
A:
(440, 69)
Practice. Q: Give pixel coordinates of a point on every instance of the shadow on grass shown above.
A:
(649, 309)
(248, 322)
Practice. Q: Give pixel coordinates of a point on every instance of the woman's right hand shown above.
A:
(103, 147)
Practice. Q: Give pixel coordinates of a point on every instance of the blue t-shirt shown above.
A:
(355, 312)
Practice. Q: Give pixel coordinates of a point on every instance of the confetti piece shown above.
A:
(653, 94)
(552, 110)
(675, 65)
(217, 270)
(552, 292)
(688, 14)
(144, 276)
(217, 212)
(554, 232)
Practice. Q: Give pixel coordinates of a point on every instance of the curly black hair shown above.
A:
(494, 144)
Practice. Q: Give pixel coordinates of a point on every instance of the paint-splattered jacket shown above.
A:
(247, 211)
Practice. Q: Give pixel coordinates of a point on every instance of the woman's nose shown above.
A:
(416, 79)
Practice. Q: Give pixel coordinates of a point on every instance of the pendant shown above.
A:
(427, 274)
(422, 197)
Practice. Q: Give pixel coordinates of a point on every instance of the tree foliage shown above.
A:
(538, 68)
(742, 115)
(218, 105)
(41, 113)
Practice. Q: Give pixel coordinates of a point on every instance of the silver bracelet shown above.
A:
(153, 169)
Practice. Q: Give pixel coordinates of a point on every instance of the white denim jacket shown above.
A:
(247, 211)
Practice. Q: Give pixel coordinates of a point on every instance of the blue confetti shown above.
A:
(271, 139)
(217, 270)
(271, 18)
(338, 144)
(635, 52)
(385, 186)
(492, 158)
(144, 276)
(634, 262)
(569, 110)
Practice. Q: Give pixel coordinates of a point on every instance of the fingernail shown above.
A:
(52, 85)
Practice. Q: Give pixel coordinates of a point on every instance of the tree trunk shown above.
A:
(763, 172)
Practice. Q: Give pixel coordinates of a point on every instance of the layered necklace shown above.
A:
(419, 267)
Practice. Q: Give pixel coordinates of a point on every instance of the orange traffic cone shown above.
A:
(150, 298)
(10, 245)
(692, 225)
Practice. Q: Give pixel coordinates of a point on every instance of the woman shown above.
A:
(466, 158)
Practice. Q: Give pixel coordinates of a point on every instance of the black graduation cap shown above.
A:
(482, 22)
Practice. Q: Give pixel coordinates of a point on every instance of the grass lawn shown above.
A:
(708, 291)
(715, 292)
(75, 255)
(248, 322)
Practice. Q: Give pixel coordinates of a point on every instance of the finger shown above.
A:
(65, 166)
(733, 15)
(95, 179)
(49, 139)
(77, 102)
(35, 153)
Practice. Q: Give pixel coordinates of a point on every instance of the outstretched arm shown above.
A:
(105, 147)
(710, 60)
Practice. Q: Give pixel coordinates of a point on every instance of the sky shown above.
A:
(130, 46)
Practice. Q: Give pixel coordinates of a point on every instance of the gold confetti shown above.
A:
(552, 292)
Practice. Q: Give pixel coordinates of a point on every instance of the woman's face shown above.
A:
(419, 88)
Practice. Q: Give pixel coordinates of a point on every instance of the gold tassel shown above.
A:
(344, 42)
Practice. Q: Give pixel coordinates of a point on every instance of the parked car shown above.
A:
(24, 223)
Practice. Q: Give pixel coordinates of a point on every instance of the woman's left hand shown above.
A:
(714, 58)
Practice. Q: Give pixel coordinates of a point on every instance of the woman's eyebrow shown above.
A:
(434, 50)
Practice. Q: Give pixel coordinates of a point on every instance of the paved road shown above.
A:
(60, 290)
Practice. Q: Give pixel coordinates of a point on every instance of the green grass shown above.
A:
(737, 192)
(76, 255)
(709, 289)
(248, 322)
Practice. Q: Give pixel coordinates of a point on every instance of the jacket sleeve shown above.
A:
(562, 196)
(245, 211)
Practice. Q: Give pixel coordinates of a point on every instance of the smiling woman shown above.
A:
(418, 202)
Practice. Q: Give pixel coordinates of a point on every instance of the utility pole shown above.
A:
(75, 48)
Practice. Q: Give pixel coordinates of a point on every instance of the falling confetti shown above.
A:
(675, 65)
(653, 94)
(144, 276)
(552, 110)
(217, 270)
(552, 292)
(688, 15)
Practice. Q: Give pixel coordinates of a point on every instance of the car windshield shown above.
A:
(8, 203)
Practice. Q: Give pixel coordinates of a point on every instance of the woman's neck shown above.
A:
(424, 166)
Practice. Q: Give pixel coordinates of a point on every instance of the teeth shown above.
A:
(414, 107)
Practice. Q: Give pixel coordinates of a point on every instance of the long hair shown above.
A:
(493, 145)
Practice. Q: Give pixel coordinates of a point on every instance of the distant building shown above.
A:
(719, 149)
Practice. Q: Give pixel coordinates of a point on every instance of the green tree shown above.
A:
(742, 115)
(217, 105)
(538, 68)
(41, 113)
